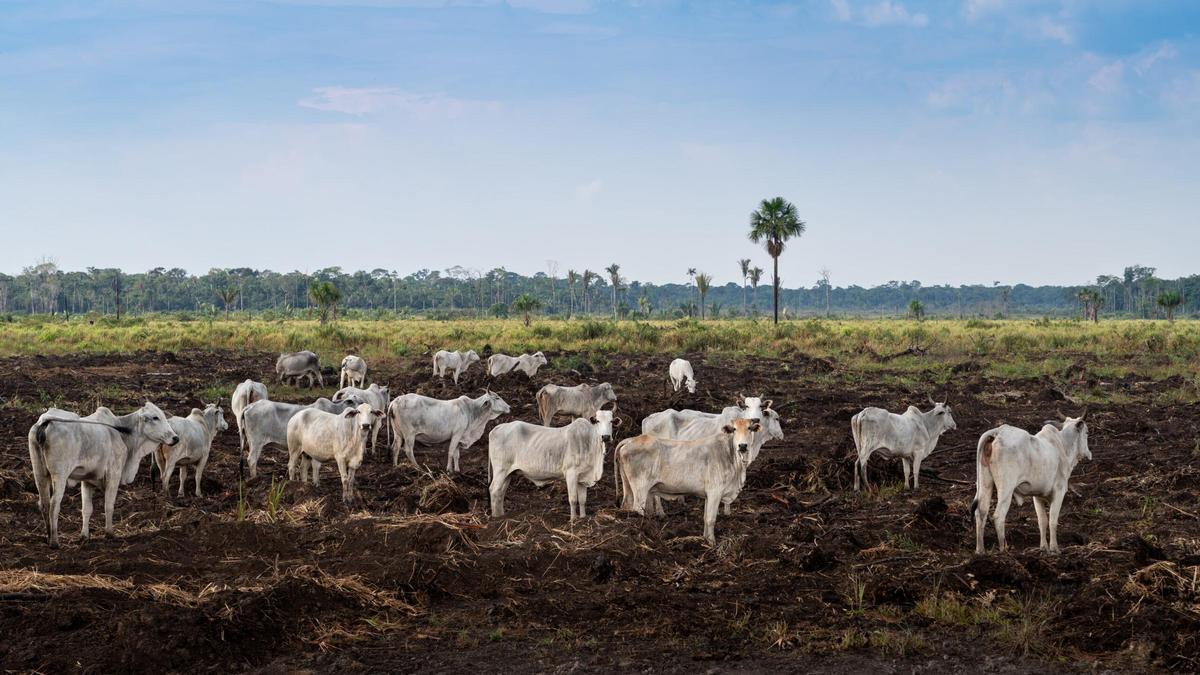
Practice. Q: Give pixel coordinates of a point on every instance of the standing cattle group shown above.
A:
(679, 453)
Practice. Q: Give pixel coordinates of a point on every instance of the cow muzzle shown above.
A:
(606, 439)
(174, 441)
(743, 447)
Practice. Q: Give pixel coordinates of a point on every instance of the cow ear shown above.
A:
(756, 427)
(617, 422)
(350, 412)
(377, 413)
(728, 428)
(767, 403)
(593, 420)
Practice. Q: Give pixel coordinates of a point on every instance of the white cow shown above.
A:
(353, 372)
(101, 450)
(416, 418)
(458, 362)
(244, 394)
(713, 468)
(680, 373)
(1018, 464)
(499, 364)
(574, 453)
(297, 365)
(379, 398)
(328, 437)
(264, 423)
(583, 400)
(687, 425)
(196, 433)
(912, 437)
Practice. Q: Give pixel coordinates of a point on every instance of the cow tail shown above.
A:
(856, 432)
(543, 405)
(983, 459)
(243, 446)
(394, 425)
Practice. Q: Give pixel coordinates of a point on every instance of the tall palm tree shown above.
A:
(691, 277)
(326, 297)
(755, 277)
(1170, 300)
(744, 266)
(572, 279)
(644, 305)
(585, 281)
(228, 296)
(774, 223)
(614, 276)
(526, 305)
(703, 283)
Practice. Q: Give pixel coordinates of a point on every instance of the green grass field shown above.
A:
(1018, 347)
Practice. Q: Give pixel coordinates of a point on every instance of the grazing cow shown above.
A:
(101, 450)
(244, 394)
(429, 420)
(713, 468)
(297, 365)
(574, 453)
(353, 372)
(1018, 465)
(499, 364)
(196, 433)
(456, 361)
(265, 423)
(680, 373)
(377, 396)
(328, 437)
(912, 437)
(690, 425)
(583, 400)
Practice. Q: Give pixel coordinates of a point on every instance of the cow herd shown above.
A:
(679, 453)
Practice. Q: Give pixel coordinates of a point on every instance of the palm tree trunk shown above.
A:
(775, 283)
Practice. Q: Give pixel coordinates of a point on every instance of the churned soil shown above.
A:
(808, 575)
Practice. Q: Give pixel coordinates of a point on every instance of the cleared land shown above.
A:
(806, 574)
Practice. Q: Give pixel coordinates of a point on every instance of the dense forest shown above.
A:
(44, 289)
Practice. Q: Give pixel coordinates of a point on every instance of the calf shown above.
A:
(713, 468)
(499, 364)
(680, 372)
(429, 420)
(574, 453)
(101, 450)
(1018, 464)
(196, 433)
(459, 362)
(583, 400)
(297, 365)
(325, 437)
(912, 437)
(353, 372)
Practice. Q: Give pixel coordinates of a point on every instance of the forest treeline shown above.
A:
(44, 288)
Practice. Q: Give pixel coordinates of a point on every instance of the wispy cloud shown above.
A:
(589, 190)
(1110, 78)
(362, 101)
(579, 29)
(882, 13)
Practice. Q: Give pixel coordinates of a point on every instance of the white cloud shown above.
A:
(974, 9)
(589, 190)
(361, 101)
(882, 13)
(1048, 28)
(1110, 78)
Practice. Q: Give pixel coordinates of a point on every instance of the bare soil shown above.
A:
(806, 575)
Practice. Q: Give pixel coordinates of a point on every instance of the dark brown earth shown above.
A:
(806, 574)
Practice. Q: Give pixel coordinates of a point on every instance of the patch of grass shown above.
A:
(274, 496)
(897, 642)
(855, 593)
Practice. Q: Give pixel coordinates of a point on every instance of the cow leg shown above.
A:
(85, 493)
(182, 478)
(452, 454)
(582, 491)
(342, 472)
(252, 461)
(497, 489)
(410, 448)
(293, 464)
(1039, 505)
(712, 501)
(199, 470)
(863, 459)
(1055, 508)
(727, 508)
(907, 471)
(1003, 501)
(316, 470)
(572, 493)
(110, 503)
(916, 471)
(59, 487)
(983, 502)
(659, 510)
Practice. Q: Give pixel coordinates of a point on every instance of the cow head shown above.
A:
(743, 431)
(691, 386)
(498, 405)
(604, 421)
(606, 393)
(539, 358)
(153, 425)
(214, 417)
(944, 417)
(470, 356)
(364, 415)
(1077, 425)
(773, 424)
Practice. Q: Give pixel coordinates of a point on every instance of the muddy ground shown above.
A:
(806, 575)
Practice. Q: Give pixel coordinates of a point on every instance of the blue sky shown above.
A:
(960, 141)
